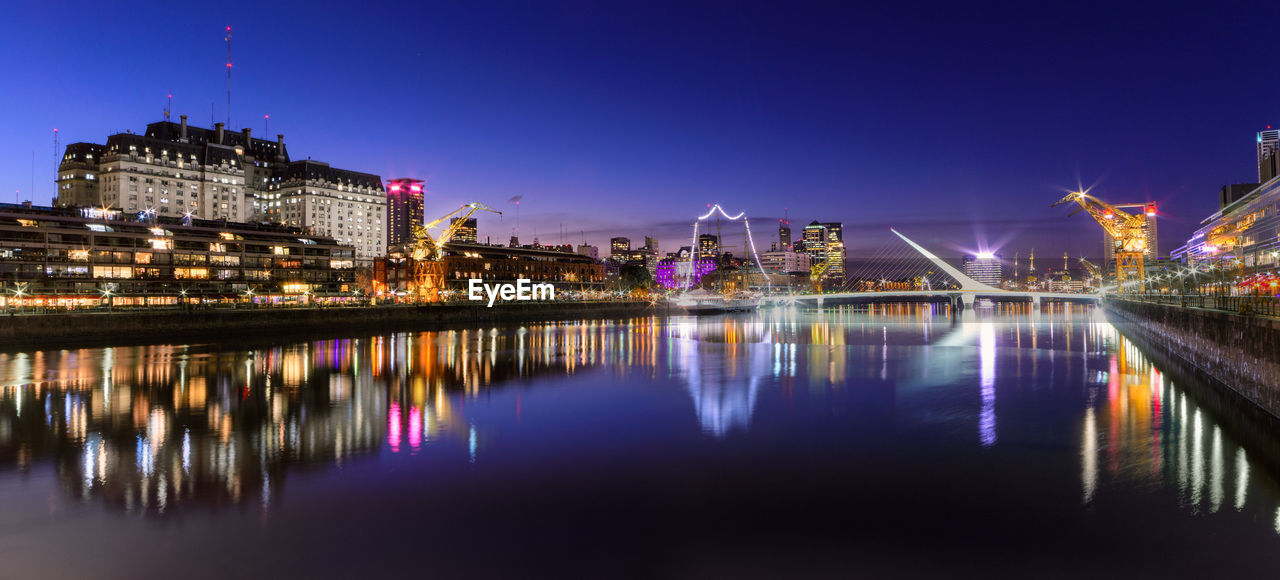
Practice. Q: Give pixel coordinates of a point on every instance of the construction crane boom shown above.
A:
(427, 251)
(427, 247)
(1127, 231)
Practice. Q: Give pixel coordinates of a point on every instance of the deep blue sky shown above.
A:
(953, 121)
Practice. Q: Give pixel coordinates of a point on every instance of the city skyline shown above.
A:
(618, 124)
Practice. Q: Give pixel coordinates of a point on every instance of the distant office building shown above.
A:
(784, 261)
(589, 251)
(1232, 193)
(824, 243)
(619, 247)
(467, 232)
(784, 234)
(985, 268)
(651, 244)
(404, 209)
(1268, 144)
(708, 247)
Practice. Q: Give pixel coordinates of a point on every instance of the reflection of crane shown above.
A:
(1128, 231)
(426, 251)
(816, 272)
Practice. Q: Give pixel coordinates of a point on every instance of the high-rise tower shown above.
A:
(404, 206)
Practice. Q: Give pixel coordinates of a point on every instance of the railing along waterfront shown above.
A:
(1247, 305)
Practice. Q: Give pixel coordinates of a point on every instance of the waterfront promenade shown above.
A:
(147, 325)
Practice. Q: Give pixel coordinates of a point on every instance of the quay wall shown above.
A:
(256, 324)
(1240, 353)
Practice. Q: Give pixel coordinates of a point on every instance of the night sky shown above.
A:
(955, 122)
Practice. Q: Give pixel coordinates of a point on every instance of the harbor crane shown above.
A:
(816, 272)
(428, 251)
(1128, 231)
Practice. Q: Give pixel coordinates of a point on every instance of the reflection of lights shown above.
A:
(471, 443)
(1242, 477)
(987, 370)
(1090, 454)
(393, 427)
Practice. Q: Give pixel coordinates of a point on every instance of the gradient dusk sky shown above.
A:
(953, 121)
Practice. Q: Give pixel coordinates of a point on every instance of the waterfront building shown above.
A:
(75, 257)
(677, 270)
(985, 267)
(404, 209)
(171, 169)
(566, 270)
(176, 169)
(1243, 232)
(824, 242)
(348, 206)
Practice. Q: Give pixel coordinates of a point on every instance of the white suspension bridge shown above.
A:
(964, 293)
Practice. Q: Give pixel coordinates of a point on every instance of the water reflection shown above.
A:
(151, 429)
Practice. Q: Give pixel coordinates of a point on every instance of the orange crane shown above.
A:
(1128, 231)
(428, 252)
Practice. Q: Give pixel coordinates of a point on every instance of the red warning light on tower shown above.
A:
(1151, 209)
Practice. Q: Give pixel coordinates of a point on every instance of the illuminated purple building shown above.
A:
(675, 272)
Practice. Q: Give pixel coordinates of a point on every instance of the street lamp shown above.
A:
(19, 291)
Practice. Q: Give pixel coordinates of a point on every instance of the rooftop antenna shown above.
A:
(168, 107)
(266, 126)
(228, 78)
(57, 165)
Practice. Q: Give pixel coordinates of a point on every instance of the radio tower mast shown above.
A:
(228, 78)
(57, 166)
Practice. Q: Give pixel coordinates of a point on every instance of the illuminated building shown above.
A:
(708, 247)
(404, 209)
(824, 242)
(676, 270)
(785, 261)
(494, 264)
(467, 232)
(784, 234)
(618, 247)
(75, 256)
(651, 244)
(984, 267)
(172, 169)
(349, 206)
(176, 169)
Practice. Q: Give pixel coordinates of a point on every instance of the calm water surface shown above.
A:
(894, 442)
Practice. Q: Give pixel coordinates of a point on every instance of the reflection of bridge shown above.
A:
(970, 290)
